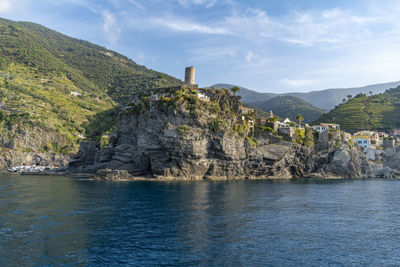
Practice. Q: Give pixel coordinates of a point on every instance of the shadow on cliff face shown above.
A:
(101, 123)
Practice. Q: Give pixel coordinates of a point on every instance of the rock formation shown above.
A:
(9, 159)
(185, 136)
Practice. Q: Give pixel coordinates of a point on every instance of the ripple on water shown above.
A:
(57, 221)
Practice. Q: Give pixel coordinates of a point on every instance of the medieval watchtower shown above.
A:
(189, 75)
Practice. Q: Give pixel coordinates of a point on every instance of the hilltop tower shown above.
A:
(189, 78)
(189, 75)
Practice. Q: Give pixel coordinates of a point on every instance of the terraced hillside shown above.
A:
(377, 112)
(56, 90)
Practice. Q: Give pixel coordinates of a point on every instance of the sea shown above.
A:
(61, 221)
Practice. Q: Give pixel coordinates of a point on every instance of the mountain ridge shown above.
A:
(325, 99)
(287, 106)
(283, 105)
(376, 112)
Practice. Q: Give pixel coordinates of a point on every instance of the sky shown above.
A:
(266, 45)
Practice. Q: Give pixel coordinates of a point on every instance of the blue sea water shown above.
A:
(53, 221)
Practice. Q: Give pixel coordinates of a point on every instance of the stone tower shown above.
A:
(189, 75)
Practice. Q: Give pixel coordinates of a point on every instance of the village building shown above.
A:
(318, 128)
(265, 120)
(287, 121)
(287, 130)
(382, 135)
(374, 139)
(246, 110)
(323, 127)
(389, 146)
(395, 132)
(262, 121)
(363, 141)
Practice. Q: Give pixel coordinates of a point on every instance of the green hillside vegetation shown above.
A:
(289, 107)
(55, 89)
(376, 112)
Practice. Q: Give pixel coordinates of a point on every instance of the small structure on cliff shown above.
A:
(188, 87)
(190, 78)
(325, 127)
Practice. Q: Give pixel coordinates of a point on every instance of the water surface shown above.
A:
(59, 220)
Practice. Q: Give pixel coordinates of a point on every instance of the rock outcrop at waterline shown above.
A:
(183, 136)
(10, 159)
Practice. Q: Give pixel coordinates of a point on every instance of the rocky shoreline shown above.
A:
(16, 161)
(195, 139)
(184, 137)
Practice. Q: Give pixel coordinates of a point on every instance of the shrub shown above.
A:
(184, 129)
(214, 108)
(217, 125)
(252, 141)
(299, 136)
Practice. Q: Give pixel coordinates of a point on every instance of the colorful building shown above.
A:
(363, 141)
(323, 127)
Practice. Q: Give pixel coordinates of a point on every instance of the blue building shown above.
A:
(363, 141)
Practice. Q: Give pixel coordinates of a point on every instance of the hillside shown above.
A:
(284, 106)
(288, 107)
(325, 99)
(329, 98)
(54, 90)
(377, 112)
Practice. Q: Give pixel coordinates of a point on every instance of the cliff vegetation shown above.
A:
(56, 90)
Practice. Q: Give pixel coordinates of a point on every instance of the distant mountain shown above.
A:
(329, 98)
(286, 106)
(248, 95)
(324, 99)
(377, 112)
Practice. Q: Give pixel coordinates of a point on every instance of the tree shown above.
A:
(349, 97)
(344, 100)
(300, 118)
(370, 92)
(273, 119)
(235, 89)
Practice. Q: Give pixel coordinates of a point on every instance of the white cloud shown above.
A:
(110, 26)
(137, 4)
(250, 56)
(304, 28)
(188, 26)
(297, 83)
(5, 6)
(210, 54)
(206, 3)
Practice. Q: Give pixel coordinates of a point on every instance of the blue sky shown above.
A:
(265, 45)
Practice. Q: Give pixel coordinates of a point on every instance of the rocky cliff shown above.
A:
(190, 135)
(9, 159)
